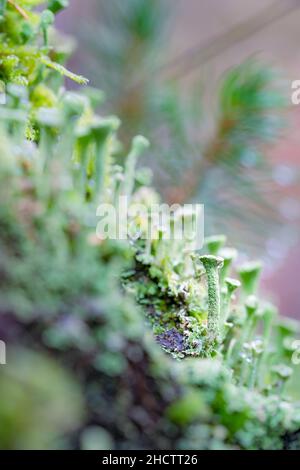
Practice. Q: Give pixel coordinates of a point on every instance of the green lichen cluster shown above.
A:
(123, 344)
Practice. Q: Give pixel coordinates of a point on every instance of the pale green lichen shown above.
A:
(139, 145)
(95, 306)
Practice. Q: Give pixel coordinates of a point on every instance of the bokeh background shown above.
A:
(161, 65)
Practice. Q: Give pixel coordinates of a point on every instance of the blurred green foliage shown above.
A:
(38, 398)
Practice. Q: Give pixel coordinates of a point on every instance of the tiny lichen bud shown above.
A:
(3, 4)
(139, 145)
(211, 261)
(282, 373)
(101, 131)
(251, 305)
(103, 126)
(57, 5)
(198, 267)
(232, 284)
(47, 19)
(257, 347)
(249, 274)
(74, 104)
